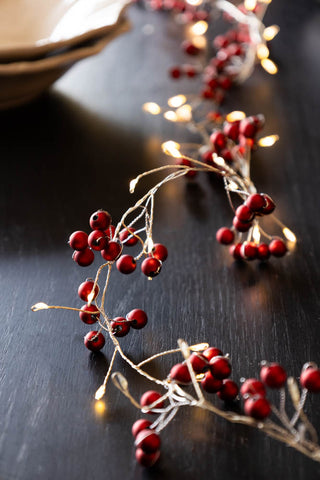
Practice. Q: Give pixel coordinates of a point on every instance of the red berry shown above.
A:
(224, 82)
(207, 157)
(310, 379)
(248, 127)
(175, 72)
(263, 251)
(212, 82)
(244, 213)
(159, 251)
(269, 206)
(255, 202)
(220, 367)
(199, 362)
(187, 163)
(207, 93)
(215, 117)
(258, 408)
(112, 252)
(228, 391)
(120, 327)
(190, 71)
(94, 341)
(89, 318)
(210, 383)
(126, 264)
(277, 247)
(259, 120)
(235, 251)
(98, 240)
(125, 234)
(85, 289)
(138, 318)
(220, 41)
(241, 226)
(110, 232)
(231, 130)
(100, 220)
(218, 140)
(149, 397)
(225, 236)
(227, 155)
(252, 386)
(190, 48)
(84, 258)
(78, 240)
(249, 250)
(148, 441)
(146, 459)
(273, 375)
(180, 373)
(212, 352)
(139, 425)
(151, 266)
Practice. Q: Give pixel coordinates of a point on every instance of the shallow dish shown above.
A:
(31, 28)
(20, 82)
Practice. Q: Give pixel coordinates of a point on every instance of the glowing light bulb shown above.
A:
(171, 148)
(199, 42)
(152, 108)
(171, 116)
(199, 28)
(184, 113)
(200, 376)
(262, 51)
(235, 116)
(100, 407)
(132, 185)
(177, 101)
(289, 235)
(268, 141)
(219, 161)
(195, 3)
(256, 234)
(270, 32)
(199, 347)
(250, 5)
(269, 66)
(100, 392)
(39, 306)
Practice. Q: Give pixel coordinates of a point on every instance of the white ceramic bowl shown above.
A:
(23, 81)
(33, 28)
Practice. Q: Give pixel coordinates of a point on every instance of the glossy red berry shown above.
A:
(225, 236)
(97, 240)
(207, 157)
(127, 233)
(180, 373)
(187, 163)
(146, 459)
(175, 72)
(248, 127)
(263, 251)
(251, 387)
(211, 352)
(249, 250)
(120, 327)
(89, 318)
(259, 120)
(149, 397)
(277, 247)
(241, 226)
(139, 425)
(229, 390)
(244, 213)
(310, 379)
(220, 367)
(94, 341)
(190, 48)
(148, 441)
(190, 71)
(112, 252)
(85, 289)
(257, 407)
(151, 267)
(231, 130)
(126, 264)
(224, 81)
(220, 41)
(218, 140)
(269, 206)
(256, 202)
(273, 375)
(227, 155)
(159, 251)
(235, 251)
(210, 383)
(138, 318)
(199, 362)
(84, 258)
(100, 220)
(78, 240)
(207, 93)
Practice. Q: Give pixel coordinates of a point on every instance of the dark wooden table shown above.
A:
(74, 150)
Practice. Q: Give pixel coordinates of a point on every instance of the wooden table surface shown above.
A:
(74, 150)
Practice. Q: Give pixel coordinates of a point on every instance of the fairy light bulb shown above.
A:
(199, 347)
(219, 161)
(177, 101)
(99, 407)
(268, 141)
(235, 116)
(270, 32)
(262, 51)
(250, 5)
(289, 235)
(171, 148)
(194, 3)
(269, 66)
(199, 28)
(184, 113)
(171, 116)
(39, 306)
(132, 185)
(152, 108)
(100, 392)
(199, 41)
(256, 234)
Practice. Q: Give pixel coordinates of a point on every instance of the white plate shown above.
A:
(30, 28)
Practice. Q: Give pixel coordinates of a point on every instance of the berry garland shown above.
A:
(226, 148)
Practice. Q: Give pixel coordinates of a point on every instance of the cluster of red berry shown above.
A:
(120, 326)
(102, 239)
